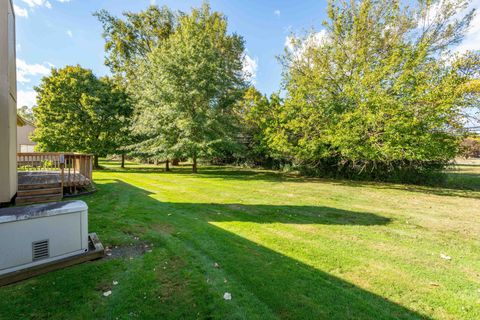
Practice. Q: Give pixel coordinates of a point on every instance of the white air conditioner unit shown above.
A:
(41, 234)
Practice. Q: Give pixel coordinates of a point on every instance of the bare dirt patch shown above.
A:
(130, 251)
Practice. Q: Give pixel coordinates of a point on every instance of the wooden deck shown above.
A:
(48, 186)
(51, 176)
(34, 178)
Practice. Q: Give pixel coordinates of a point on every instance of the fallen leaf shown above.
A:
(445, 257)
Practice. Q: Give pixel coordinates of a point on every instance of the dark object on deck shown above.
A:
(96, 251)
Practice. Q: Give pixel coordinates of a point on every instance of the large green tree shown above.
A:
(130, 39)
(77, 112)
(255, 114)
(378, 88)
(188, 87)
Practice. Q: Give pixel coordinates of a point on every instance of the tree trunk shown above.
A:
(167, 165)
(155, 162)
(194, 165)
(95, 162)
(123, 162)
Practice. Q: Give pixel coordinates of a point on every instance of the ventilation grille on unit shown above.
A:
(40, 250)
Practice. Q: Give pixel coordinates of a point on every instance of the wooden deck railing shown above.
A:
(75, 169)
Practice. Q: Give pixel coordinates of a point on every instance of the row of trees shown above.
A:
(378, 92)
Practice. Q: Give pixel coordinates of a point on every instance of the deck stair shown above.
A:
(38, 193)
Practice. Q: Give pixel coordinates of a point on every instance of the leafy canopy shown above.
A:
(188, 86)
(378, 87)
(129, 41)
(77, 112)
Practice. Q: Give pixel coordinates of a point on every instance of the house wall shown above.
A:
(8, 103)
(23, 137)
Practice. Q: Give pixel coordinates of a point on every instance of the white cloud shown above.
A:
(472, 37)
(69, 33)
(277, 12)
(26, 98)
(38, 3)
(289, 42)
(299, 46)
(63, 1)
(25, 70)
(250, 66)
(20, 12)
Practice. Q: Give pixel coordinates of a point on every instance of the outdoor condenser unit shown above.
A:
(42, 235)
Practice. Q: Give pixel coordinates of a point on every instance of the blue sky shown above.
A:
(64, 32)
(61, 32)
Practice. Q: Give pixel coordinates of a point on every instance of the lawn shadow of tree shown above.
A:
(459, 184)
(286, 287)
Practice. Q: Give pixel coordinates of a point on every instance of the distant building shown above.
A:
(24, 131)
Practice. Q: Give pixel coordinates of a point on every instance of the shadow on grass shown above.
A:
(458, 183)
(270, 284)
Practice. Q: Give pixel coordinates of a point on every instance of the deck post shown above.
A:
(74, 173)
(61, 160)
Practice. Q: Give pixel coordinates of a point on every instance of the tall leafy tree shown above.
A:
(377, 89)
(255, 114)
(77, 112)
(189, 86)
(130, 39)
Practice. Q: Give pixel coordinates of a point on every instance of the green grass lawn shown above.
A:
(283, 246)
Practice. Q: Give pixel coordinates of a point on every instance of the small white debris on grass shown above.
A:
(115, 283)
(445, 257)
(216, 265)
(107, 293)
(227, 296)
